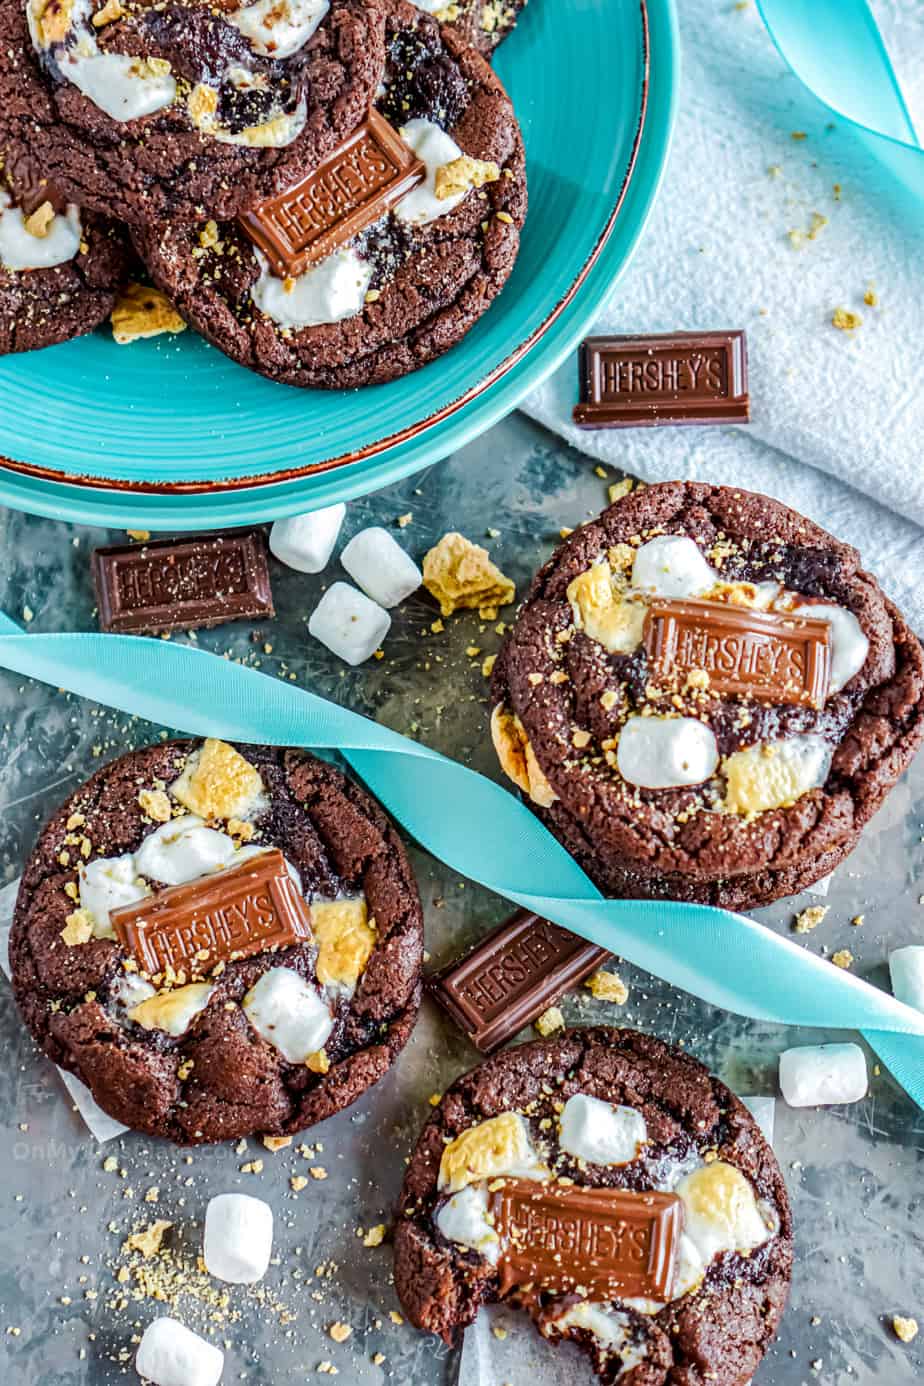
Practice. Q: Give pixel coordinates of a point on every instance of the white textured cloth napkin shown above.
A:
(837, 425)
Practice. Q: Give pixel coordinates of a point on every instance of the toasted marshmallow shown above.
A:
(109, 883)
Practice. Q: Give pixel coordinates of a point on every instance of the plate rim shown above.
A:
(415, 446)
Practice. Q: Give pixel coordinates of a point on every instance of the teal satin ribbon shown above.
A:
(479, 830)
(836, 50)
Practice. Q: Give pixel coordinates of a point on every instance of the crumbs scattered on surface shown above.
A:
(608, 986)
(843, 958)
(845, 320)
(904, 1329)
(810, 918)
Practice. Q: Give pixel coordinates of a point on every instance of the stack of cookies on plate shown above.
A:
(330, 191)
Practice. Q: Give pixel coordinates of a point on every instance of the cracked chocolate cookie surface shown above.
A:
(409, 285)
(705, 697)
(182, 110)
(614, 1110)
(270, 1041)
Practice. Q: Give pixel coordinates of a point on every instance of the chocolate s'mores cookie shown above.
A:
(219, 940)
(182, 109)
(383, 257)
(605, 1183)
(705, 697)
(60, 266)
(482, 23)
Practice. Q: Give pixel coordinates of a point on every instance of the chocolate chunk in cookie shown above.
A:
(606, 1184)
(219, 940)
(706, 698)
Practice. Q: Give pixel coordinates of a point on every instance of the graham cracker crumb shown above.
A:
(906, 1330)
(461, 575)
(141, 311)
(550, 1021)
(156, 804)
(809, 918)
(608, 986)
(842, 958)
(845, 320)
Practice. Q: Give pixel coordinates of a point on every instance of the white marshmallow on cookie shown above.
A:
(170, 1354)
(306, 542)
(238, 1238)
(666, 752)
(849, 645)
(463, 1219)
(721, 1212)
(289, 1013)
(601, 1133)
(106, 884)
(183, 850)
(672, 565)
(377, 563)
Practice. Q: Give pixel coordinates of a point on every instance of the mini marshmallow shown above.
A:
(379, 565)
(238, 1238)
(109, 883)
(600, 1132)
(349, 623)
(666, 752)
(183, 850)
(169, 1354)
(763, 1110)
(849, 645)
(306, 542)
(672, 566)
(288, 1013)
(906, 968)
(816, 1074)
(464, 1219)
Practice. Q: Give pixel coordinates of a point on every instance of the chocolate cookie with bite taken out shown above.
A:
(606, 1184)
(219, 940)
(705, 697)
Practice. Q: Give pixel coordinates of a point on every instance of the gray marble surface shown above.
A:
(854, 1172)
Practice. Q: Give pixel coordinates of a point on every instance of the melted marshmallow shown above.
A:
(672, 566)
(119, 86)
(122, 87)
(612, 1330)
(106, 884)
(601, 1133)
(183, 850)
(330, 291)
(20, 250)
(287, 1012)
(666, 752)
(279, 28)
(464, 1219)
(849, 645)
(431, 144)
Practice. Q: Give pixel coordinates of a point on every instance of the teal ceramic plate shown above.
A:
(172, 434)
